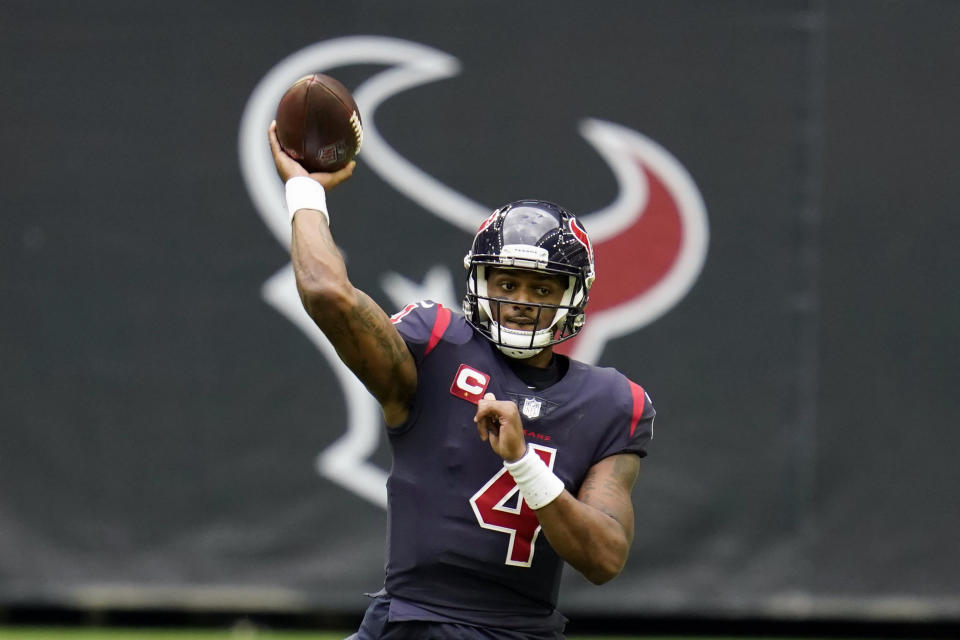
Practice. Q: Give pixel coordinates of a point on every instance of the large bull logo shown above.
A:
(650, 242)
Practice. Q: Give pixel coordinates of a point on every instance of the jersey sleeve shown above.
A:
(632, 428)
(422, 325)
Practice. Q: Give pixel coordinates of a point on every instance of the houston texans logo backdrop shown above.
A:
(650, 242)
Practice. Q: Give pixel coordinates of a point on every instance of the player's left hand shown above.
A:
(288, 168)
(498, 422)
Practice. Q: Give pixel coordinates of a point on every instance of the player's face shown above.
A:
(520, 290)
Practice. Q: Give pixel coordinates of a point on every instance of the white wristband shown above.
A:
(538, 485)
(306, 193)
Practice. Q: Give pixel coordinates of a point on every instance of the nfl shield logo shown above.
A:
(531, 408)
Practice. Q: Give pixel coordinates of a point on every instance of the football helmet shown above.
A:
(539, 236)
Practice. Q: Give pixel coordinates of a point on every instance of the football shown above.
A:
(318, 123)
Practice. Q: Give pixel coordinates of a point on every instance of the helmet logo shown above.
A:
(486, 223)
(581, 235)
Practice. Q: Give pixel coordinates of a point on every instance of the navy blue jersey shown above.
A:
(460, 542)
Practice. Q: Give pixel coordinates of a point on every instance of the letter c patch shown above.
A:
(469, 384)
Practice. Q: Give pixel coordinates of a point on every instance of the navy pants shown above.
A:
(375, 626)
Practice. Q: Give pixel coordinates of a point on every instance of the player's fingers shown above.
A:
(280, 157)
(286, 166)
(330, 180)
(484, 406)
(506, 410)
(494, 437)
(487, 417)
(481, 429)
(272, 136)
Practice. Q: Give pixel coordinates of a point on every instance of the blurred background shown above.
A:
(772, 188)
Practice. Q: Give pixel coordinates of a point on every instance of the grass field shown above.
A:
(55, 633)
(67, 633)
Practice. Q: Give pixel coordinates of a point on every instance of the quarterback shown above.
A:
(509, 460)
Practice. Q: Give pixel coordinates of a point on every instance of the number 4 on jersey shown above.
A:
(519, 522)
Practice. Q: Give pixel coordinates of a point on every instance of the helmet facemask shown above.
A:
(532, 235)
(519, 343)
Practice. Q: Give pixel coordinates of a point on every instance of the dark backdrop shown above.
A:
(162, 419)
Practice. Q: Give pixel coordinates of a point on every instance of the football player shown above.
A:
(508, 459)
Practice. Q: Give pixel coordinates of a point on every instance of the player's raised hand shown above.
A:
(498, 422)
(288, 168)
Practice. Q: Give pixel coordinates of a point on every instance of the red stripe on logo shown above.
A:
(440, 324)
(486, 223)
(399, 315)
(581, 235)
(639, 400)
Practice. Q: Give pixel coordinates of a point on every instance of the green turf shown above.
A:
(66, 633)
(79, 633)
(139, 634)
(63, 633)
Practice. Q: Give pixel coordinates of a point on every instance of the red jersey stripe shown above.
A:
(639, 400)
(440, 324)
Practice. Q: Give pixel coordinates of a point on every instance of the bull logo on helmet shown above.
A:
(650, 243)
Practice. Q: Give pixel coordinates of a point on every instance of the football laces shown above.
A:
(357, 129)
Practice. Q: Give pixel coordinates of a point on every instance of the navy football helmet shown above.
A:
(539, 236)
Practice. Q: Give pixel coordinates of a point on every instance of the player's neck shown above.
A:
(539, 377)
(541, 360)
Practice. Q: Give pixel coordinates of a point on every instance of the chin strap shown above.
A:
(510, 341)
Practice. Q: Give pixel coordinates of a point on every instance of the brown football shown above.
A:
(318, 123)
